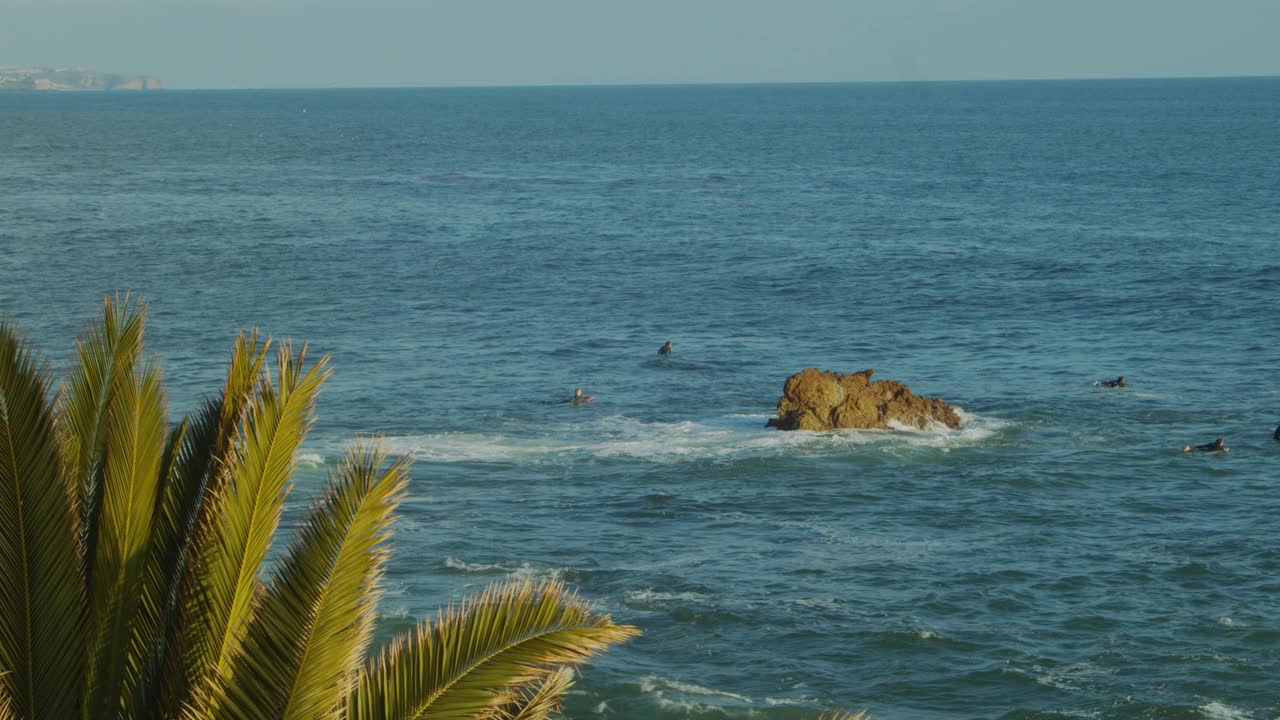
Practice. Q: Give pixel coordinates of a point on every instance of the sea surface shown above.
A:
(470, 256)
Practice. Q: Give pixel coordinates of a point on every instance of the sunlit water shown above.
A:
(468, 257)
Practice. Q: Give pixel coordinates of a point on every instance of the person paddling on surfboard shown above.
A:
(1215, 446)
(1118, 382)
(665, 350)
(578, 398)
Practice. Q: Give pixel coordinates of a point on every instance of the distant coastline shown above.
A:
(72, 79)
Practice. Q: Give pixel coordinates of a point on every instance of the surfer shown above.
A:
(578, 398)
(1118, 382)
(665, 350)
(1215, 446)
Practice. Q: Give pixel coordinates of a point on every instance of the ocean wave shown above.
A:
(1067, 677)
(311, 459)
(788, 702)
(661, 688)
(725, 438)
(651, 595)
(520, 570)
(1220, 711)
(473, 447)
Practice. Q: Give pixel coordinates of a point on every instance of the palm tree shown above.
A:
(132, 553)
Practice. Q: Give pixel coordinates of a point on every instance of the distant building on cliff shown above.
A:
(71, 78)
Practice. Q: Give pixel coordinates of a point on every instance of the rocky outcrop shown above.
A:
(815, 399)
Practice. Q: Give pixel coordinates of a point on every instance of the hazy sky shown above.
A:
(319, 43)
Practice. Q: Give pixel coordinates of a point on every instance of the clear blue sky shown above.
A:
(321, 43)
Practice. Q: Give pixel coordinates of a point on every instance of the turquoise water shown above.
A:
(468, 257)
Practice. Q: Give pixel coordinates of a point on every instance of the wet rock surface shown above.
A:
(815, 399)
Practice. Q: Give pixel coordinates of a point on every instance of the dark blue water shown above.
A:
(467, 256)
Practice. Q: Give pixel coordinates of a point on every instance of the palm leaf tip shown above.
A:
(860, 715)
(538, 700)
(466, 663)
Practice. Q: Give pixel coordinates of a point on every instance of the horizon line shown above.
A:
(730, 83)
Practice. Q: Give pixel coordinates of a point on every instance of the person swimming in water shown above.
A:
(665, 350)
(578, 398)
(1118, 382)
(1215, 446)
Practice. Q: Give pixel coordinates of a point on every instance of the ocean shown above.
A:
(470, 256)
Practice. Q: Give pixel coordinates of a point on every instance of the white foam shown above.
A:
(1067, 677)
(311, 459)
(791, 701)
(973, 429)
(454, 563)
(472, 447)
(652, 595)
(660, 686)
(725, 438)
(515, 570)
(1220, 711)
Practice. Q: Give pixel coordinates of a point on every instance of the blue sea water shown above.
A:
(469, 256)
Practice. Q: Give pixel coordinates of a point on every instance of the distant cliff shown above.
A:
(16, 78)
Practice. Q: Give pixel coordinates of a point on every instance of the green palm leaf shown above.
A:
(107, 353)
(310, 634)
(463, 665)
(131, 560)
(245, 514)
(122, 603)
(41, 618)
(198, 470)
(539, 700)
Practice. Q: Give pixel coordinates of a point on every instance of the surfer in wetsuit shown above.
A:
(1215, 446)
(665, 350)
(578, 398)
(1118, 382)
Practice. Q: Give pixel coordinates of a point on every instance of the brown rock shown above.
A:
(815, 399)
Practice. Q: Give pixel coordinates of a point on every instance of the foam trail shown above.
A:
(731, 437)
(659, 686)
(519, 570)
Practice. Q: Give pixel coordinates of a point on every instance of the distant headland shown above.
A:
(72, 78)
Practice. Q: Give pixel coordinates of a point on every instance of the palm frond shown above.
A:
(183, 514)
(538, 700)
(309, 636)
(860, 715)
(461, 665)
(123, 622)
(41, 617)
(6, 703)
(245, 512)
(107, 353)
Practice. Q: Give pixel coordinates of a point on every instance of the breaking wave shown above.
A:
(724, 438)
